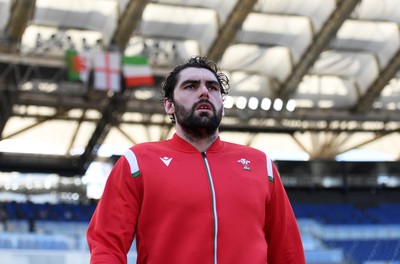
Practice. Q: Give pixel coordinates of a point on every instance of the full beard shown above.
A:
(198, 126)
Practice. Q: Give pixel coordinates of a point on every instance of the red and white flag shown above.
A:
(107, 71)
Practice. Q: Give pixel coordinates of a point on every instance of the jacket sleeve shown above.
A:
(281, 230)
(112, 227)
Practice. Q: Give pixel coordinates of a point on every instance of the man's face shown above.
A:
(197, 102)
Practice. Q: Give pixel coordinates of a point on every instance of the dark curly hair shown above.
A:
(168, 84)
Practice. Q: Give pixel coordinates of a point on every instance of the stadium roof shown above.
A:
(311, 79)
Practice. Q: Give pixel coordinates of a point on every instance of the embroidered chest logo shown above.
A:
(166, 160)
(245, 163)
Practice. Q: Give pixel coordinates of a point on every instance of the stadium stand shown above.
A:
(362, 234)
(331, 233)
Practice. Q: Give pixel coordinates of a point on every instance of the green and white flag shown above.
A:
(78, 65)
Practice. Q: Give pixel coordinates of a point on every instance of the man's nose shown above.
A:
(204, 92)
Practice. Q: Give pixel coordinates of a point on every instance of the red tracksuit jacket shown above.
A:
(224, 206)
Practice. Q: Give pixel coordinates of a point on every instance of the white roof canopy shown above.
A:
(337, 62)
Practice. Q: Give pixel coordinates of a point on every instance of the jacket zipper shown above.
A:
(214, 207)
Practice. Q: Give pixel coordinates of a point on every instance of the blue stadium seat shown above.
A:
(5, 243)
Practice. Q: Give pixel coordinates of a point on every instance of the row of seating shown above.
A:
(386, 213)
(36, 241)
(47, 211)
(60, 236)
(326, 214)
(368, 250)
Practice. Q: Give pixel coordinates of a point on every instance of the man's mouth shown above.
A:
(204, 106)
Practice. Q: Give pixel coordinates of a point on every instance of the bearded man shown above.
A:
(195, 198)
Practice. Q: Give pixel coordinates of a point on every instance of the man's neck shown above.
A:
(201, 144)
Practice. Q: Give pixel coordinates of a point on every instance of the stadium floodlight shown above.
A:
(266, 104)
(278, 104)
(241, 102)
(291, 105)
(228, 102)
(253, 103)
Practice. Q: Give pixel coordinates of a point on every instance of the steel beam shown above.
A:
(227, 33)
(21, 12)
(128, 23)
(374, 91)
(320, 42)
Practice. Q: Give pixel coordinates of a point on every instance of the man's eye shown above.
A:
(214, 88)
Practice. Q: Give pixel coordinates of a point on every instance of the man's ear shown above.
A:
(169, 106)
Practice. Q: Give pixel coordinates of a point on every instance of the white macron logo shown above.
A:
(166, 160)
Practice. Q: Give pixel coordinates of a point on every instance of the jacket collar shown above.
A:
(182, 145)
